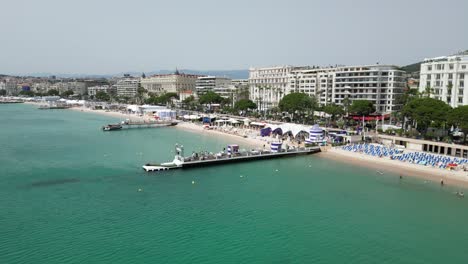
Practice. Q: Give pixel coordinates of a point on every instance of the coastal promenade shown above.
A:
(251, 138)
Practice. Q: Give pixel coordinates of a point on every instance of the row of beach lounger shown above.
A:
(421, 158)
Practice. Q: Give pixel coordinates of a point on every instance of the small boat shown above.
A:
(111, 127)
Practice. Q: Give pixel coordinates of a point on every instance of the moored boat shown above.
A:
(111, 127)
(230, 154)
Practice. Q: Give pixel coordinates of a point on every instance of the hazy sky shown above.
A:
(112, 36)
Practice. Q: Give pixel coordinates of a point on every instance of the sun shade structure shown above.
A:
(315, 135)
(287, 128)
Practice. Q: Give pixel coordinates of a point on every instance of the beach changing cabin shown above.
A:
(315, 135)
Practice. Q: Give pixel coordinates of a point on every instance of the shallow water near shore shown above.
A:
(69, 193)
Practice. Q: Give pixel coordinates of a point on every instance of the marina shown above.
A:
(231, 154)
(128, 124)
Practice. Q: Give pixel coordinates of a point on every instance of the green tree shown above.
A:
(102, 96)
(53, 92)
(298, 104)
(67, 93)
(333, 110)
(362, 107)
(407, 96)
(425, 112)
(245, 105)
(211, 98)
(459, 117)
(346, 104)
(3, 92)
(163, 99)
(428, 91)
(141, 92)
(189, 103)
(27, 93)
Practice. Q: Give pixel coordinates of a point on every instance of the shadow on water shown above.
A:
(52, 182)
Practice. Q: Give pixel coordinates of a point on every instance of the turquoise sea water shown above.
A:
(69, 194)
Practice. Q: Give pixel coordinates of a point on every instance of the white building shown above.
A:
(11, 86)
(127, 87)
(206, 84)
(380, 84)
(102, 88)
(268, 85)
(170, 83)
(316, 82)
(444, 78)
(240, 82)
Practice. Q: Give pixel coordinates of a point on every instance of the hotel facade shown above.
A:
(170, 83)
(444, 78)
(380, 84)
(268, 85)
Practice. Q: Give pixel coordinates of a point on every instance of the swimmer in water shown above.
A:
(442, 182)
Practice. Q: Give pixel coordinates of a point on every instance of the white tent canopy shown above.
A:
(295, 129)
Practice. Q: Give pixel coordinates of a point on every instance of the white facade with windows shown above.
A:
(380, 84)
(206, 84)
(93, 90)
(170, 83)
(444, 78)
(127, 87)
(268, 85)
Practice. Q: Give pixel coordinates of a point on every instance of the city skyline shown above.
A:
(113, 37)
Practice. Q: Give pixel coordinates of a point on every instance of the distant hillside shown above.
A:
(415, 67)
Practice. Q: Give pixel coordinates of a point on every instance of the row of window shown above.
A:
(438, 84)
(441, 67)
(439, 76)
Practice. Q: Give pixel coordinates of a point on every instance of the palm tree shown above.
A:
(428, 91)
(346, 104)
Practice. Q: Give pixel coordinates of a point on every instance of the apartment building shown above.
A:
(380, 84)
(316, 82)
(444, 78)
(206, 84)
(109, 89)
(127, 87)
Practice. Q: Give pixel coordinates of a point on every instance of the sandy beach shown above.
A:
(386, 165)
(243, 141)
(122, 116)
